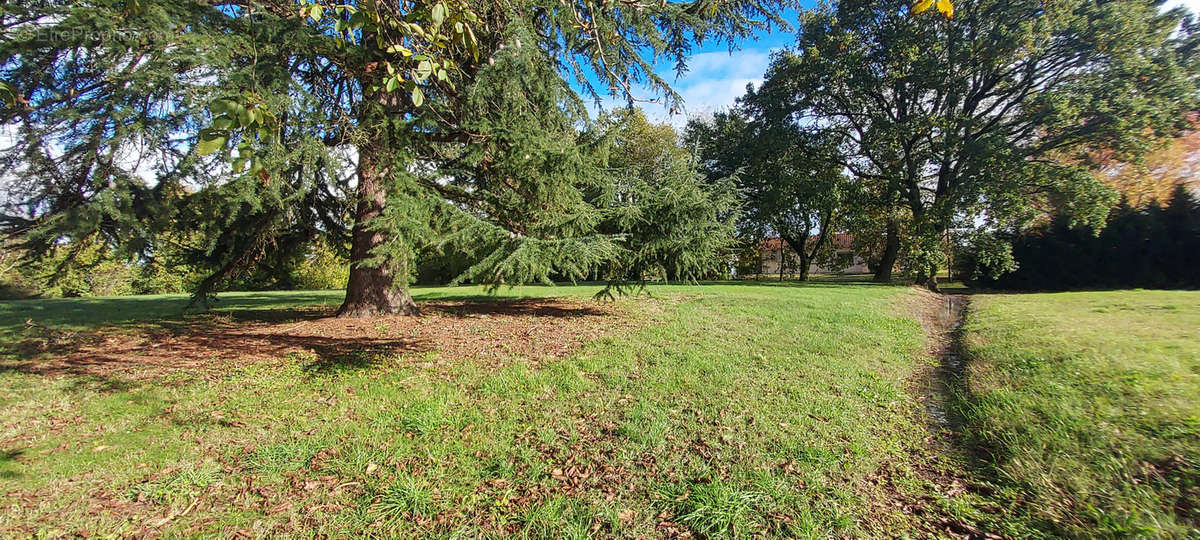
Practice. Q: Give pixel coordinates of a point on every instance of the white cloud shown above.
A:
(711, 95)
(741, 63)
(715, 79)
(712, 82)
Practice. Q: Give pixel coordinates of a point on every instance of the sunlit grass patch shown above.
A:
(1085, 406)
(715, 509)
(171, 488)
(406, 497)
(282, 457)
(777, 406)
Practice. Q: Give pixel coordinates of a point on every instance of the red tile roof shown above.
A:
(839, 240)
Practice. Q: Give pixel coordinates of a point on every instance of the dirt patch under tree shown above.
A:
(492, 333)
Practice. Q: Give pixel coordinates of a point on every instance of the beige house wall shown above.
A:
(770, 264)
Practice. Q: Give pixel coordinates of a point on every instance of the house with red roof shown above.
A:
(772, 252)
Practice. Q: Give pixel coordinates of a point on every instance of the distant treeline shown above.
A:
(1156, 246)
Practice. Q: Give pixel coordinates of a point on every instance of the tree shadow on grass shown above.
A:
(10, 463)
(199, 349)
(278, 315)
(335, 359)
(523, 307)
(85, 312)
(114, 358)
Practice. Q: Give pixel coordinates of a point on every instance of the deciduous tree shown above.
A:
(1155, 177)
(972, 116)
(788, 190)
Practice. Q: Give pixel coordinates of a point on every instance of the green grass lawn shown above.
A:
(718, 410)
(1085, 410)
(731, 410)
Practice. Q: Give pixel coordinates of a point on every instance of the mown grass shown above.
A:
(734, 410)
(729, 411)
(1084, 408)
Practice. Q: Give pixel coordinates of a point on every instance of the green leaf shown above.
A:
(220, 106)
(222, 122)
(438, 14)
(8, 93)
(397, 48)
(424, 69)
(418, 96)
(393, 83)
(472, 43)
(208, 145)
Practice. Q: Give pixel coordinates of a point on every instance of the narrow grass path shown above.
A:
(731, 410)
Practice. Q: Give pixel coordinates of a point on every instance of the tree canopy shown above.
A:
(674, 222)
(985, 119)
(789, 190)
(387, 126)
(1156, 245)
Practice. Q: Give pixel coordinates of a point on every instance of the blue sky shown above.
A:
(715, 76)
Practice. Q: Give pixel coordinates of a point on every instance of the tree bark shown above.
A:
(931, 282)
(801, 248)
(801, 253)
(371, 289)
(928, 278)
(891, 250)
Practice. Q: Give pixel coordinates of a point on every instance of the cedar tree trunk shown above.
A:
(371, 289)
